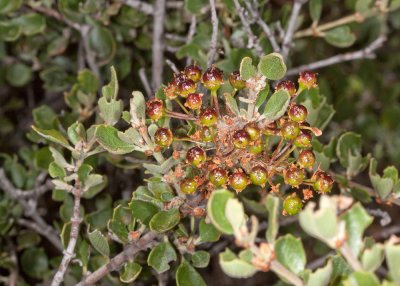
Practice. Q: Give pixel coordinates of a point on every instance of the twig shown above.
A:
(190, 35)
(69, 253)
(367, 52)
(214, 35)
(172, 66)
(141, 6)
(287, 274)
(120, 259)
(346, 251)
(253, 41)
(145, 81)
(291, 26)
(89, 55)
(158, 43)
(267, 31)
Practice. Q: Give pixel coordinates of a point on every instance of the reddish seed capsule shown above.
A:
(218, 177)
(194, 101)
(290, 130)
(256, 148)
(212, 78)
(186, 87)
(188, 186)
(238, 181)
(193, 72)
(288, 86)
(294, 176)
(206, 134)
(240, 139)
(196, 156)
(292, 204)
(208, 117)
(306, 159)
(163, 137)
(298, 113)
(307, 79)
(235, 81)
(258, 175)
(323, 182)
(170, 90)
(155, 108)
(303, 140)
(253, 131)
(270, 129)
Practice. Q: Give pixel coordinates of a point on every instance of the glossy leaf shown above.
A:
(186, 275)
(208, 232)
(143, 211)
(130, 272)
(165, 220)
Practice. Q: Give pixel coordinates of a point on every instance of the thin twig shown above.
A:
(190, 35)
(145, 81)
(172, 66)
(120, 259)
(214, 35)
(367, 52)
(89, 54)
(141, 6)
(291, 26)
(347, 252)
(284, 272)
(158, 43)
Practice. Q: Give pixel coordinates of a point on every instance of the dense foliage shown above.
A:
(194, 143)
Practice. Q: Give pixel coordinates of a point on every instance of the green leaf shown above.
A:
(231, 103)
(208, 232)
(76, 133)
(108, 137)
(315, 7)
(120, 222)
(357, 220)
(18, 74)
(7, 6)
(321, 276)
(31, 23)
(372, 257)
(382, 185)
(276, 105)
(362, 279)
(392, 253)
(186, 275)
(131, 271)
(137, 108)
(27, 239)
(34, 262)
(59, 159)
(247, 69)
(143, 211)
(53, 136)
(55, 171)
(234, 213)
(216, 210)
(200, 259)
(340, 37)
(362, 6)
(272, 66)
(234, 266)
(102, 42)
(99, 242)
(348, 144)
(194, 6)
(272, 205)
(290, 252)
(160, 257)
(165, 220)
(89, 83)
(9, 31)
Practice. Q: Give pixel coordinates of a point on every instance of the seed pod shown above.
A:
(292, 204)
(238, 181)
(253, 131)
(240, 139)
(303, 140)
(155, 109)
(258, 175)
(290, 130)
(196, 156)
(236, 82)
(188, 186)
(256, 148)
(306, 159)
(193, 72)
(206, 134)
(298, 113)
(208, 117)
(212, 78)
(322, 182)
(288, 86)
(307, 79)
(163, 137)
(218, 177)
(294, 176)
(194, 101)
(186, 87)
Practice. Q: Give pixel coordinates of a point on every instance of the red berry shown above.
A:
(196, 156)
(188, 186)
(292, 204)
(258, 175)
(322, 182)
(163, 137)
(238, 181)
(298, 113)
(194, 101)
(186, 87)
(236, 82)
(288, 86)
(306, 159)
(212, 78)
(253, 131)
(193, 72)
(294, 176)
(241, 139)
(307, 79)
(206, 134)
(155, 108)
(208, 117)
(218, 177)
(303, 140)
(290, 130)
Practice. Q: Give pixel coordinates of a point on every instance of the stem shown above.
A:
(286, 274)
(179, 115)
(285, 155)
(214, 96)
(181, 105)
(346, 251)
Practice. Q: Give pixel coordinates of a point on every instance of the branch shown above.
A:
(89, 55)
(190, 35)
(291, 26)
(347, 252)
(69, 253)
(141, 6)
(158, 43)
(120, 259)
(145, 81)
(367, 52)
(263, 25)
(253, 40)
(287, 274)
(214, 35)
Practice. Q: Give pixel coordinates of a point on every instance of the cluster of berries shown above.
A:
(232, 151)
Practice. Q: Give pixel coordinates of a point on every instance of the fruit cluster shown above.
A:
(226, 149)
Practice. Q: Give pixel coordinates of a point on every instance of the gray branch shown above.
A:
(214, 35)
(158, 43)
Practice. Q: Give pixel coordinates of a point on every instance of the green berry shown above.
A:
(240, 139)
(307, 79)
(292, 204)
(206, 134)
(303, 140)
(298, 113)
(194, 101)
(155, 108)
(218, 177)
(163, 137)
(212, 78)
(306, 159)
(258, 175)
(188, 186)
(288, 86)
(322, 182)
(186, 87)
(294, 176)
(290, 130)
(238, 181)
(196, 156)
(193, 72)
(253, 131)
(208, 117)
(256, 148)
(236, 82)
